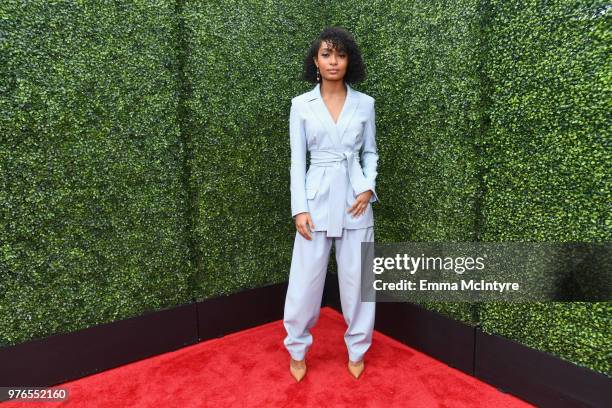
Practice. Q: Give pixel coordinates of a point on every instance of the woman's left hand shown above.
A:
(360, 204)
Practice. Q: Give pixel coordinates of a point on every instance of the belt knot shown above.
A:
(337, 194)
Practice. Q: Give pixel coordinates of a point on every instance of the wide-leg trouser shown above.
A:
(305, 291)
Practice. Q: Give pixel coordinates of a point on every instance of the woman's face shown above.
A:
(331, 62)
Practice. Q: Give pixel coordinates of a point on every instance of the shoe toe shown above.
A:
(297, 372)
(356, 369)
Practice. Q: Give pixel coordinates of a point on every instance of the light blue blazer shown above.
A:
(343, 159)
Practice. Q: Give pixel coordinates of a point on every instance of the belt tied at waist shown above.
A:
(337, 188)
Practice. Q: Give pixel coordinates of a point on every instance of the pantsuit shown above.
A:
(343, 163)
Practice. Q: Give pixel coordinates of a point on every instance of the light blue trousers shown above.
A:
(305, 291)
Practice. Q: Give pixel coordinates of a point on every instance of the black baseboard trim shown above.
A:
(538, 377)
(438, 336)
(239, 311)
(64, 357)
(534, 376)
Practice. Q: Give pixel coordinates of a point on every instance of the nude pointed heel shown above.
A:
(356, 368)
(298, 371)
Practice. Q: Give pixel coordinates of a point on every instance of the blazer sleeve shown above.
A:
(297, 138)
(369, 154)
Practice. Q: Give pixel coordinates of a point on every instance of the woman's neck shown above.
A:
(332, 88)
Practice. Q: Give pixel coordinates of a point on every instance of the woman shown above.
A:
(332, 200)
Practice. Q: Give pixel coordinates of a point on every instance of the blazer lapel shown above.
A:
(335, 130)
(350, 106)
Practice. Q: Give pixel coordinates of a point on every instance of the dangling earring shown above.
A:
(318, 78)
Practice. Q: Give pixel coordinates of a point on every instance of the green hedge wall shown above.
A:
(163, 172)
(423, 63)
(92, 200)
(242, 65)
(546, 157)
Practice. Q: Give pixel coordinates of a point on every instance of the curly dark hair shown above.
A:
(342, 40)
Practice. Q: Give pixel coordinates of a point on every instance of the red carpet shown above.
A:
(251, 369)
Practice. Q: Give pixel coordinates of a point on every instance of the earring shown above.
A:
(318, 78)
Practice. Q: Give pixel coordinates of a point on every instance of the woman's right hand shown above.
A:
(302, 222)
